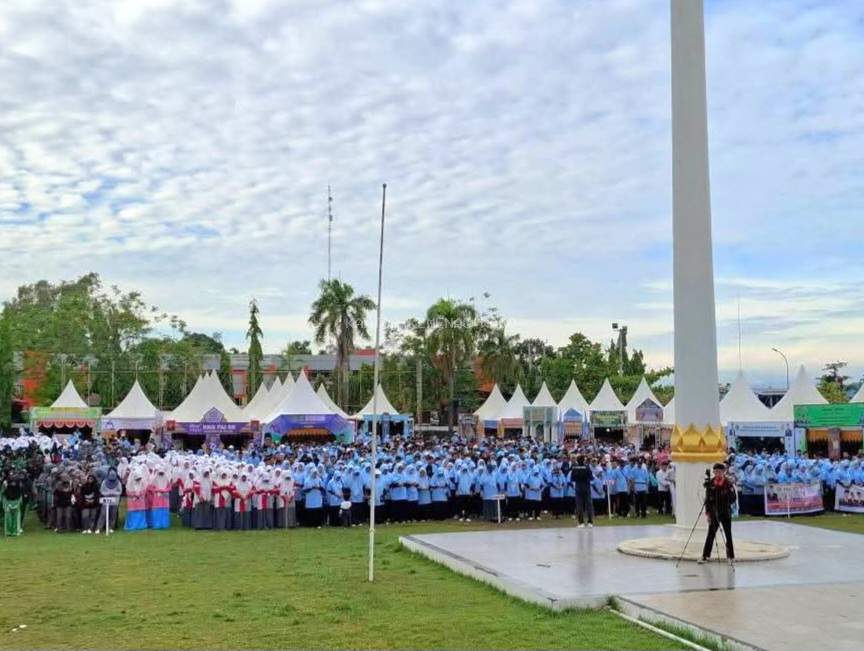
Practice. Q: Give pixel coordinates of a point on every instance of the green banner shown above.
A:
(608, 418)
(850, 414)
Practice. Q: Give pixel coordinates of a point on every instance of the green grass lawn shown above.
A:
(270, 589)
(281, 589)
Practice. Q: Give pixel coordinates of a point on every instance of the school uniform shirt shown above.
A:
(439, 487)
(639, 477)
(534, 486)
(556, 485)
(488, 485)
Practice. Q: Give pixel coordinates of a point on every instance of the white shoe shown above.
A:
(467, 519)
(531, 518)
(590, 525)
(518, 519)
(110, 531)
(581, 525)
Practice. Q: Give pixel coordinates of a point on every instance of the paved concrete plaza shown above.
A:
(808, 600)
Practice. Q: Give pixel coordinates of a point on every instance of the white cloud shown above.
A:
(186, 147)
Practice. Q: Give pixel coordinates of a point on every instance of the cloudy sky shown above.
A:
(184, 148)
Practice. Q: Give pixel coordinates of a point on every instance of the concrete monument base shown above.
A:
(672, 547)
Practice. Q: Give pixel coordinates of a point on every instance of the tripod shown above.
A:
(695, 523)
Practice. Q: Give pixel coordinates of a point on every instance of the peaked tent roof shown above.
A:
(327, 400)
(858, 397)
(741, 404)
(208, 393)
(69, 399)
(802, 392)
(491, 406)
(643, 392)
(669, 411)
(573, 399)
(302, 400)
(606, 399)
(136, 404)
(260, 403)
(384, 405)
(544, 398)
(513, 409)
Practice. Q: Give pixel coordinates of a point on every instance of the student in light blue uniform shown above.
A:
(424, 495)
(398, 494)
(534, 493)
(412, 480)
(639, 479)
(464, 492)
(488, 484)
(334, 498)
(314, 490)
(439, 488)
(557, 483)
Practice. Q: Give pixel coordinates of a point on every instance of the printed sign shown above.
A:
(792, 499)
(850, 414)
(849, 500)
(649, 411)
(608, 418)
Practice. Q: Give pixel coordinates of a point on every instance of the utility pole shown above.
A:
(419, 365)
(329, 231)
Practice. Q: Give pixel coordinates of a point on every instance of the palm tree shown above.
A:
(498, 358)
(451, 334)
(337, 313)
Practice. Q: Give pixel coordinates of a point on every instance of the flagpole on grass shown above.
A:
(374, 455)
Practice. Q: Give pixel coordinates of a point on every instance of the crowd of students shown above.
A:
(77, 486)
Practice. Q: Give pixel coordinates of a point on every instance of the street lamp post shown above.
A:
(787, 366)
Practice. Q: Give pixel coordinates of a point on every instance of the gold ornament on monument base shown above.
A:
(693, 444)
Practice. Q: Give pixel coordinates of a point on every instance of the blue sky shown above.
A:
(185, 148)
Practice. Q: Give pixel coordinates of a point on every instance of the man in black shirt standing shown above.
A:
(719, 497)
(580, 477)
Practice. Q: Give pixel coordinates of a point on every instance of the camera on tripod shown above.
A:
(707, 482)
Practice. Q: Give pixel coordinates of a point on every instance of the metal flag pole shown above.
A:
(375, 395)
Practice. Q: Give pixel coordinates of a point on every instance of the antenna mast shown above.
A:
(329, 231)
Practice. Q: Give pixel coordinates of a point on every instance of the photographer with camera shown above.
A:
(719, 497)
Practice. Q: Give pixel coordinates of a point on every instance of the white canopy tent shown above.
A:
(207, 397)
(491, 407)
(544, 398)
(669, 412)
(327, 400)
(300, 401)
(260, 405)
(741, 405)
(801, 392)
(69, 398)
(859, 396)
(135, 412)
(384, 406)
(513, 410)
(606, 399)
(573, 399)
(389, 424)
(643, 393)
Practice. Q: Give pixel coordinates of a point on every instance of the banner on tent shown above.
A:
(849, 414)
(649, 411)
(608, 418)
(793, 499)
(213, 428)
(849, 500)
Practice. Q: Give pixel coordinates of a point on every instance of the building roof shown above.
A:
(669, 412)
(859, 396)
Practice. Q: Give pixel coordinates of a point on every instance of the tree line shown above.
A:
(103, 338)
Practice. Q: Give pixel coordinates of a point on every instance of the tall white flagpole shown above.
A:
(375, 395)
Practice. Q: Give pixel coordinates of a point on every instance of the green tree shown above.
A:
(339, 314)
(832, 391)
(7, 372)
(498, 359)
(451, 334)
(253, 334)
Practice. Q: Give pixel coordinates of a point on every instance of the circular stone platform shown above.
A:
(670, 548)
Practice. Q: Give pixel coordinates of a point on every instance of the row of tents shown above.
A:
(739, 405)
(282, 407)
